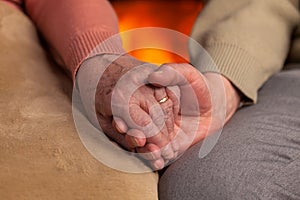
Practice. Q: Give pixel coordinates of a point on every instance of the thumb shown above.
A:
(194, 91)
(167, 75)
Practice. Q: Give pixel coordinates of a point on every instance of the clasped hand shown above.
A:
(172, 113)
(161, 112)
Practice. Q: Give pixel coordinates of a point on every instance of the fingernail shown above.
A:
(135, 142)
(120, 126)
(119, 130)
(158, 72)
(158, 165)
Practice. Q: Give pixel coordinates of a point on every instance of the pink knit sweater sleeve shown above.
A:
(73, 28)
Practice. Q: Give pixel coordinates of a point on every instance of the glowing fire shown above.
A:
(176, 15)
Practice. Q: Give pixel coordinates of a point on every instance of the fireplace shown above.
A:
(176, 15)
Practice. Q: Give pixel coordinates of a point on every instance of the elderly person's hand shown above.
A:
(122, 100)
(204, 105)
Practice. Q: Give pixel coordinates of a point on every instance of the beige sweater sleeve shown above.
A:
(247, 39)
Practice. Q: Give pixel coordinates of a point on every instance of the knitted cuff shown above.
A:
(237, 65)
(89, 44)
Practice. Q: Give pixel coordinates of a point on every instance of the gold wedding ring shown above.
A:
(163, 100)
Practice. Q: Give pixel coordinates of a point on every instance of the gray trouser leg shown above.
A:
(256, 157)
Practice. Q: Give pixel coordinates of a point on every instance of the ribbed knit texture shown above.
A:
(248, 40)
(76, 29)
(236, 64)
(88, 44)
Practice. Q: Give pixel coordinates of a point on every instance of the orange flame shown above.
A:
(176, 15)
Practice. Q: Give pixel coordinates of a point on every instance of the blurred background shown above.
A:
(178, 15)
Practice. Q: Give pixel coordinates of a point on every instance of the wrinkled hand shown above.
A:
(160, 132)
(123, 100)
(204, 105)
(135, 107)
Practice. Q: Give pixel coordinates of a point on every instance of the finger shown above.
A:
(149, 152)
(135, 117)
(156, 148)
(165, 76)
(167, 107)
(173, 93)
(157, 164)
(160, 139)
(183, 139)
(138, 118)
(119, 125)
(180, 74)
(161, 113)
(156, 113)
(172, 110)
(191, 82)
(141, 120)
(160, 94)
(135, 138)
(110, 131)
(167, 152)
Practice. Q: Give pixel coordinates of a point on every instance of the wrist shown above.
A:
(103, 69)
(233, 98)
(222, 89)
(87, 79)
(88, 44)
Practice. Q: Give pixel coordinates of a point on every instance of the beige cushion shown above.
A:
(41, 155)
